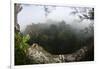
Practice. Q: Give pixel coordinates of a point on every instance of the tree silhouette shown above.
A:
(83, 13)
(17, 9)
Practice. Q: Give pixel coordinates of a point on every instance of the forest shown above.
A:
(54, 41)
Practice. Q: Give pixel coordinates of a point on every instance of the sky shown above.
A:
(36, 14)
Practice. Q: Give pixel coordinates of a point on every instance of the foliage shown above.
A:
(21, 48)
(58, 38)
(84, 13)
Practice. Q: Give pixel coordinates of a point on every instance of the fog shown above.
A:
(36, 14)
(53, 34)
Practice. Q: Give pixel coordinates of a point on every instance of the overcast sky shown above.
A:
(36, 14)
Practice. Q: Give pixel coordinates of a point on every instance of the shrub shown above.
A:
(21, 48)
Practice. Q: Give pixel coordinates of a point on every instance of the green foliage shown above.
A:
(21, 48)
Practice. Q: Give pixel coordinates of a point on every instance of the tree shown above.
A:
(84, 13)
(21, 44)
(17, 9)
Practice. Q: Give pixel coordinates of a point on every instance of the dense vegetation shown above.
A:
(21, 49)
(56, 38)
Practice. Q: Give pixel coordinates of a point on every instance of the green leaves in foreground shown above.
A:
(21, 47)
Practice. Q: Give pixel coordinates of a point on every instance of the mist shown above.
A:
(36, 14)
(53, 34)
